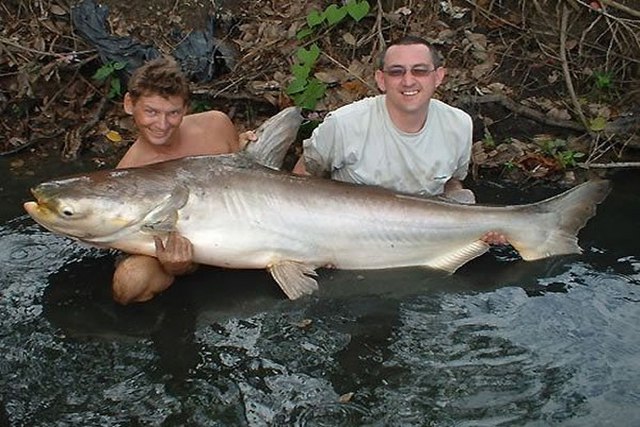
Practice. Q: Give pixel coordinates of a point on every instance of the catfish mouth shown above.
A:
(40, 212)
(44, 211)
(39, 208)
(40, 200)
(32, 209)
(36, 208)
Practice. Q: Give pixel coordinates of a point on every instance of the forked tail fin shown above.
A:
(558, 221)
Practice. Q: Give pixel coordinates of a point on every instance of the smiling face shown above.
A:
(156, 117)
(408, 92)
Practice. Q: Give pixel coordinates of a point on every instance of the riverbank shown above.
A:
(543, 98)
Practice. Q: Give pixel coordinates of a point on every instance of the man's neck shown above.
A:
(168, 148)
(409, 122)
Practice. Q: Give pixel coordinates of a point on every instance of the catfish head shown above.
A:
(106, 206)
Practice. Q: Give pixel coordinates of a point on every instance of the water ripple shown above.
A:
(28, 249)
(331, 414)
(501, 358)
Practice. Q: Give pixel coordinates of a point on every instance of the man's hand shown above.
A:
(176, 256)
(246, 137)
(462, 195)
(453, 190)
(494, 238)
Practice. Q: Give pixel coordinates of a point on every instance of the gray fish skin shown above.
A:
(239, 214)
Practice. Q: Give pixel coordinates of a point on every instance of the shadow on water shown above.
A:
(501, 342)
(78, 302)
(78, 297)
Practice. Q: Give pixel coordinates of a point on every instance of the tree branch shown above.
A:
(621, 7)
(565, 67)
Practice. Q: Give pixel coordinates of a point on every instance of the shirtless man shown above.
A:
(157, 99)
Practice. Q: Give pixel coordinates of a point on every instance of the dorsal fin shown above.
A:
(275, 136)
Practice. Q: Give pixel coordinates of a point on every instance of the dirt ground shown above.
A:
(545, 89)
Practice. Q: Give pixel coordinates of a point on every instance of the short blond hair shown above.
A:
(161, 76)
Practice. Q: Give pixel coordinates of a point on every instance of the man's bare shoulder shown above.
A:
(208, 119)
(210, 132)
(132, 157)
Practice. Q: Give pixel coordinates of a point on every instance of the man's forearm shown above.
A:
(452, 185)
(299, 168)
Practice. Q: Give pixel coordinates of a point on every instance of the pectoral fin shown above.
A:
(451, 261)
(164, 224)
(164, 216)
(293, 278)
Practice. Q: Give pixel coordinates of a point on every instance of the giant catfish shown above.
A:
(240, 212)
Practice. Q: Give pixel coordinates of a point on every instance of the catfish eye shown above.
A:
(67, 211)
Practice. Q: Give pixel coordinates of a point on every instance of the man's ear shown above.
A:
(128, 103)
(440, 73)
(379, 75)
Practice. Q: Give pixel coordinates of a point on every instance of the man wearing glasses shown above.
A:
(403, 140)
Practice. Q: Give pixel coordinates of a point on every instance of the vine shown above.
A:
(108, 74)
(305, 89)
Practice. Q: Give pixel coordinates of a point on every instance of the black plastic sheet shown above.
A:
(202, 57)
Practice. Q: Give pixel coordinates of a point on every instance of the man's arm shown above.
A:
(309, 166)
(299, 168)
(453, 184)
(222, 131)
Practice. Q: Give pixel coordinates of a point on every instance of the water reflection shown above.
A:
(501, 342)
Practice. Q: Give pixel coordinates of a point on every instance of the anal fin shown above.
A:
(451, 261)
(293, 278)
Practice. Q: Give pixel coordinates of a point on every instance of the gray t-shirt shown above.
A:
(359, 143)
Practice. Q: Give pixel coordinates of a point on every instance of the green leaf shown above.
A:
(309, 56)
(301, 71)
(103, 72)
(311, 95)
(603, 80)
(304, 101)
(335, 14)
(297, 86)
(304, 33)
(598, 124)
(115, 89)
(115, 85)
(308, 103)
(118, 65)
(316, 88)
(357, 10)
(314, 18)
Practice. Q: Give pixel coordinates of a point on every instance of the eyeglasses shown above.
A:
(418, 71)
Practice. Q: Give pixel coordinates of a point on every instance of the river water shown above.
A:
(500, 343)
